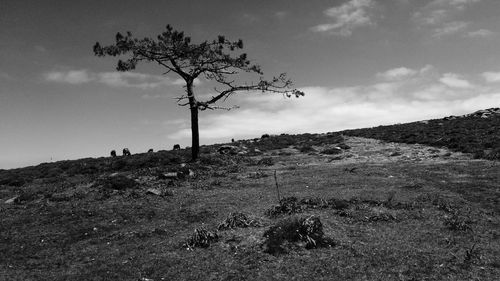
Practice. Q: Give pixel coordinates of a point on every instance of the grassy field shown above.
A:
(389, 211)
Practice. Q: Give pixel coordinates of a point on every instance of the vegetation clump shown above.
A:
(238, 219)
(268, 161)
(308, 230)
(118, 182)
(457, 222)
(201, 238)
(292, 205)
(287, 205)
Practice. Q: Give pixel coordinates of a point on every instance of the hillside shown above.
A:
(477, 133)
(288, 207)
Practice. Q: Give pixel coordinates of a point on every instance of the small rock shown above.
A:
(11, 200)
(229, 149)
(154, 191)
(395, 153)
(169, 175)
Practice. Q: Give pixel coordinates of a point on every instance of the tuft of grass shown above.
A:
(238, 219)
(201, 238)
(457, 222)
(287, 205)
(292, 205)
(308, 230)
(267, 161)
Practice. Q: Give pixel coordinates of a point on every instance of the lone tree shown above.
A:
(218, 60)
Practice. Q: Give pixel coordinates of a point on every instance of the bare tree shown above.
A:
(218, 60)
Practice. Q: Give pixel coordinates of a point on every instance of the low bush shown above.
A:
(308, 230)
(267, 161)
(201, 238)
(287, 205)
(292, 205)
(237, 219)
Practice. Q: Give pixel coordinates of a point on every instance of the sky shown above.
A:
(361, 63)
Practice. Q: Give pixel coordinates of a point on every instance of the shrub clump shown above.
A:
(237, 219)
(308, 230)
(201, 238)
(292, 205)
(268, 161)
(288, 205)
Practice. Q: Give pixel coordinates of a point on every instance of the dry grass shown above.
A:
(392, 218)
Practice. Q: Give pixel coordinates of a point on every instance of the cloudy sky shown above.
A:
(361, 63)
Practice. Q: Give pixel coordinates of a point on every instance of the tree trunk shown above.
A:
(195, 147)
(195, 134)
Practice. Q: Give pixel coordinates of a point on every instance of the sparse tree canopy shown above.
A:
(218, 60)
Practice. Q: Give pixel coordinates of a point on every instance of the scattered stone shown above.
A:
(230, 149)
(333, 150)
(11, 200)
(154, 191)
(343, 146)
(168, 176)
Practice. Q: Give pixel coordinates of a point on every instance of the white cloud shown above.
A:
(460, 4)
(397, 73)
(455, 81)
(70, 77)
(114, 79)
(281, 15)
(431, 17)
(133, 79)
(481, 33)
(346, 17)
(443, 17)
(450, 28)
(491, 77)
(427, 94)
